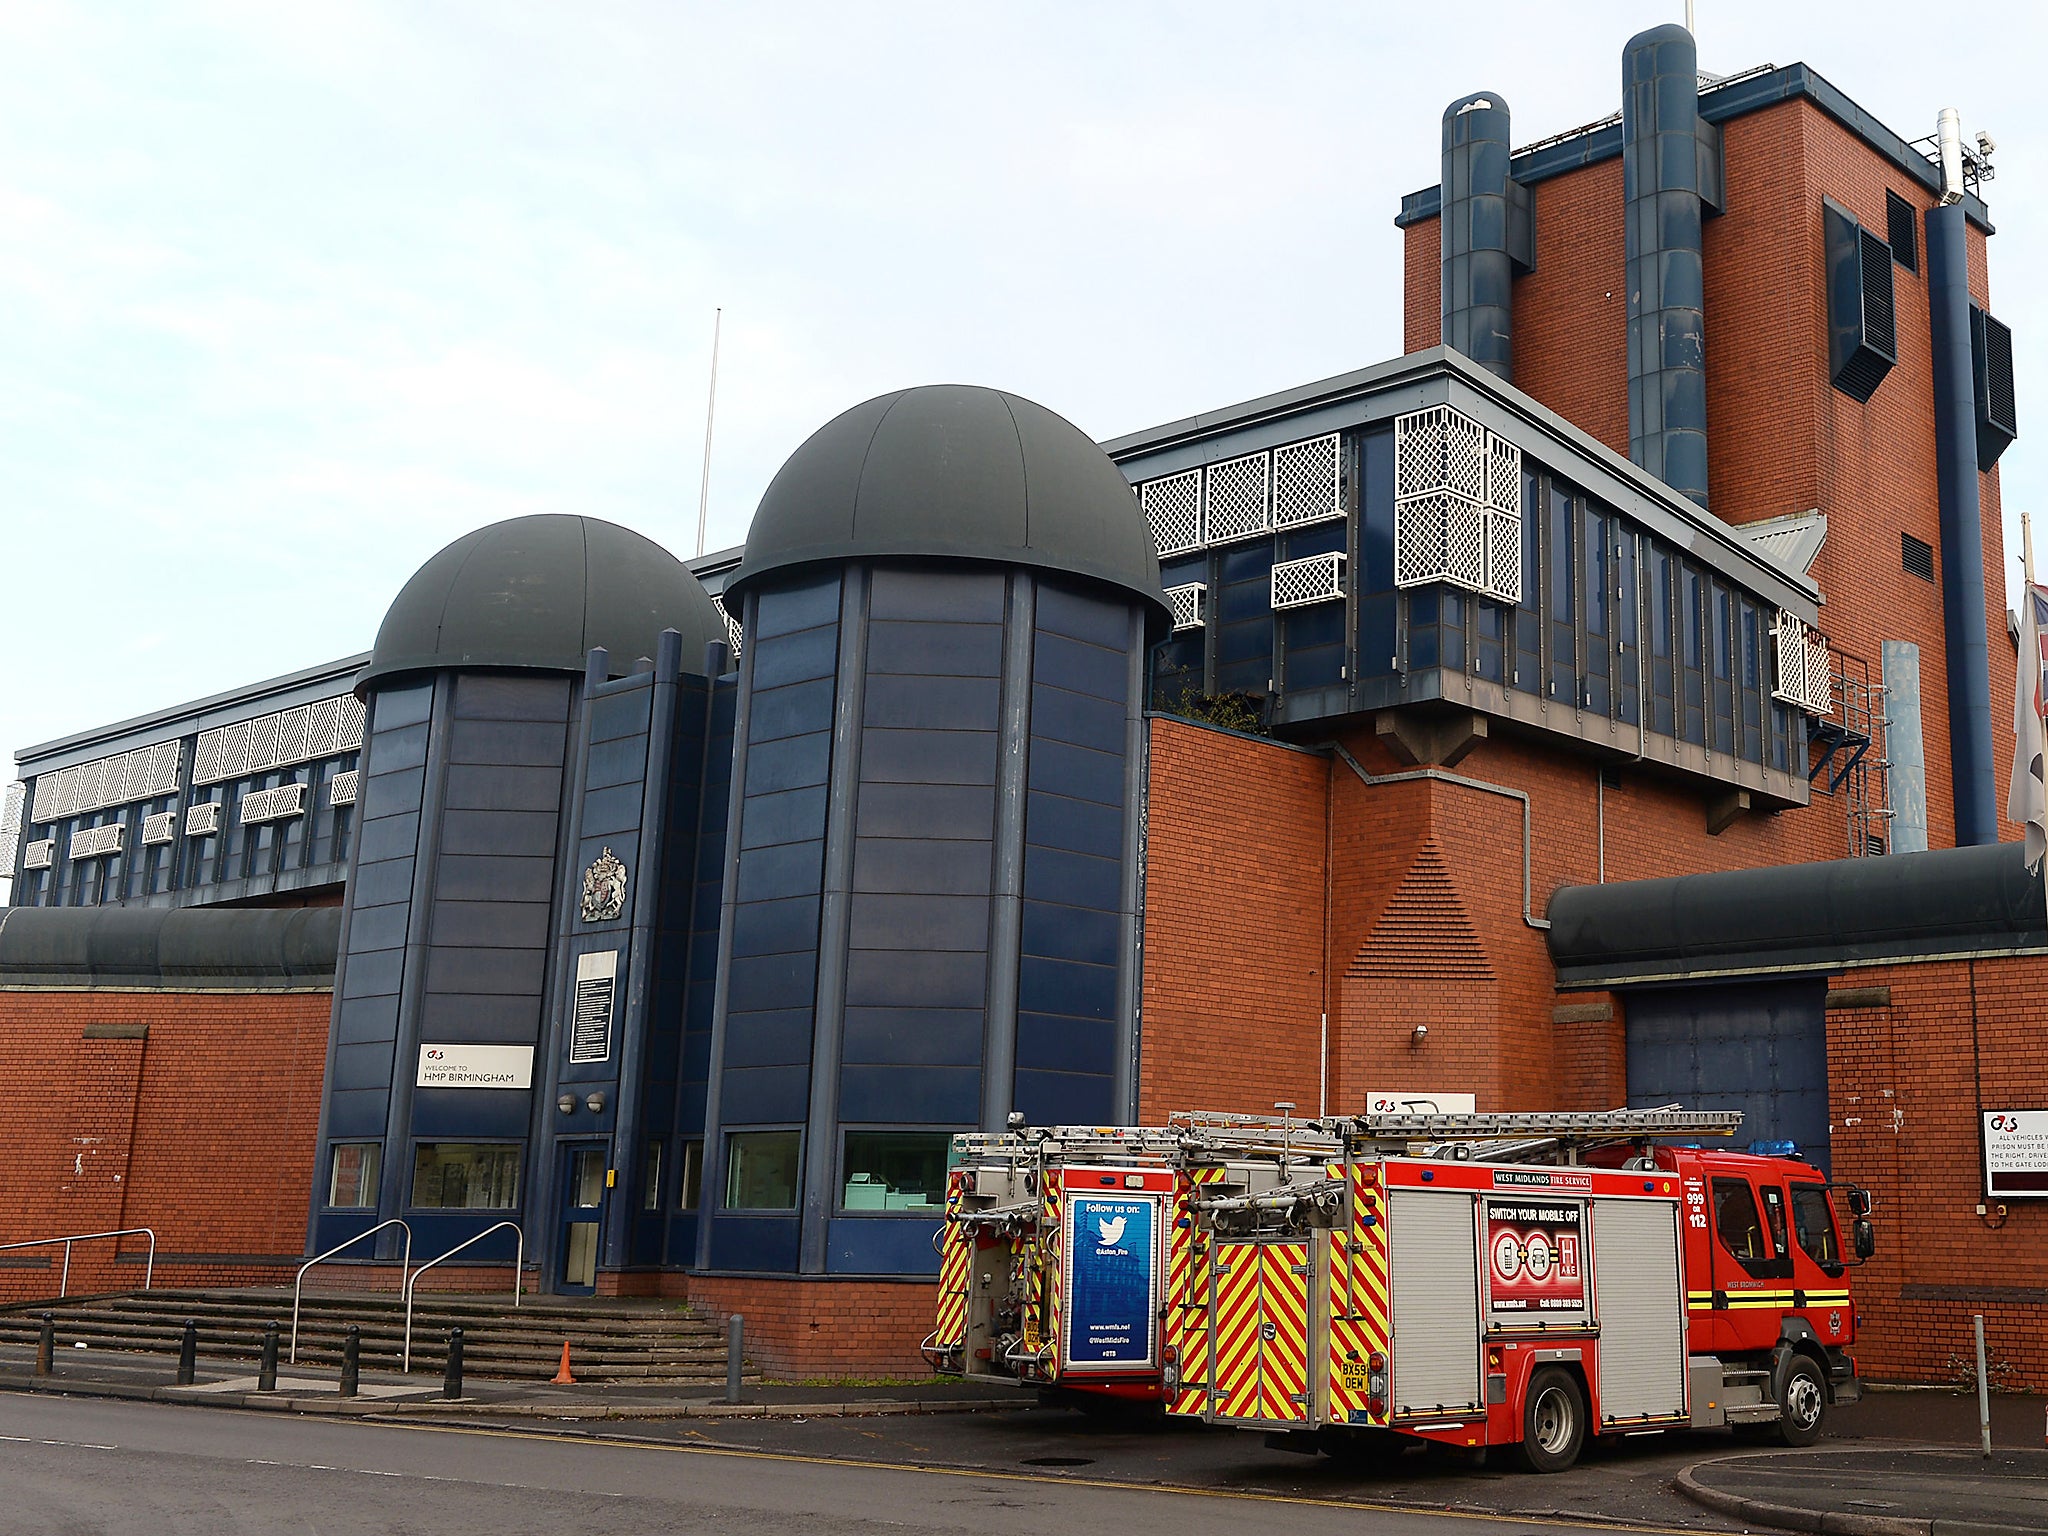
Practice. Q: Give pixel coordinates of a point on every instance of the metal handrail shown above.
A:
(518, 1276)
(64, 1284)
(299, 1279)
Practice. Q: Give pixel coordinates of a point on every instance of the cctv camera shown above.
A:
(1986, 145)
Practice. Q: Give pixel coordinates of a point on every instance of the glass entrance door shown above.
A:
(583, 1170)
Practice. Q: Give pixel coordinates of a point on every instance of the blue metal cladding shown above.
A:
(1478, 272)
(1068, 970)
(918, 921)
(1667, 381)
(1761, 1049)
(772, 972)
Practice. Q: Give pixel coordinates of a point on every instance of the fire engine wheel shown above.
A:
(1802, 1402)
(1553, 1421)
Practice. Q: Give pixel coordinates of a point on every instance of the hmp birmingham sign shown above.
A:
(475, 1066)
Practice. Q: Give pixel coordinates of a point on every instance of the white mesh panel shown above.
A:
(162, 776)
(1173, 511)
(1419, 528)
(1318, 579)
(10, 826)
(96, 842)
(1465, 544)
(1307, 482)
(1439, 449)
(323, 727)
(734, 634)
(1503, 475)
(341, 789)
(202, 819)
(1235, 498)
(1820, 674)
(273, 804)
(206, 758)
(263, 742)
(348, 733)
(159, 828)
(39, 855)
(1504, 555)
(1189, 604)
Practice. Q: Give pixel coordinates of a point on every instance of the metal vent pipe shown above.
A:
(1667, 361)
(1962, 529)
(1478, 267)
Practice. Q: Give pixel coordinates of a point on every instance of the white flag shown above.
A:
(2028, 799)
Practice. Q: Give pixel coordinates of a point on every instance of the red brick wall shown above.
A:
(1906, 1084)
(823, 1327)
(197, 1119)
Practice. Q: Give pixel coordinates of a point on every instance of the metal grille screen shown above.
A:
(273, 804)
(1173, 510)
(341, 790)
(319, 729)
(159, 828)
(1318, 579)
(1235, 493)
(1308, 482)
(106, 781)
(1458, 505)
(1189, 604)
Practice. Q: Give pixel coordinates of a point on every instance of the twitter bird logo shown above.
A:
(1111, 1229)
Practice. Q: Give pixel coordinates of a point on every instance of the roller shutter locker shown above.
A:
(1638, 1288)
(1433, 1259)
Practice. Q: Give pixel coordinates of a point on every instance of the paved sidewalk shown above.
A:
(232, 1384)
(1864, 1491)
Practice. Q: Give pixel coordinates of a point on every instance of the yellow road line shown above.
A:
(619, 1442)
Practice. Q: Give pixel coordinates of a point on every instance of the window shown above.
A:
(1901, 231)
(1815, 1225)
(650, 1178)
(895, 1170)
(1736, 1219)
(353, 1175)
(691, 1193)
(761, 1170)
(466, 1176)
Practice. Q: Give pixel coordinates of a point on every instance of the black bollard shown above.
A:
(735, 1354)
(266, 1364)
(46, 1347)
(452, 1388)
(188, 1353)
(351, 1360)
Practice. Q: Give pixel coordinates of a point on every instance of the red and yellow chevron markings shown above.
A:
(1234, 1381)
(1284, 1331)
(951, 1332)
(1052, 1252)
(1187, 1294)
(1358, 1301)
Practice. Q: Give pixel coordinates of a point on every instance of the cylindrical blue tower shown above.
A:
(1478, 271)
(932, 886)
(1667, 350)
(441, 1040)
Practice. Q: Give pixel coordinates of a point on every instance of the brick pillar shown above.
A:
(106, 1077)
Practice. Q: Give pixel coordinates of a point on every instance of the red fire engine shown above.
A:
(1523, 1280)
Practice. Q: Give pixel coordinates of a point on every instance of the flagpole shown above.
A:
(710, 406)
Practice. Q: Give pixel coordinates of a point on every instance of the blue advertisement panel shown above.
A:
(1112, 1282)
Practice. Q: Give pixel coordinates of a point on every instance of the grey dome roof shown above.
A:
(538, 592)
(955, 471)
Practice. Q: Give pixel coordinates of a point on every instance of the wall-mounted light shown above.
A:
(566, 1103)
(595, 1103)
(1421, 1034)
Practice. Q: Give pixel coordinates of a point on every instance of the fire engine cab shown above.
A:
(1513, 1280)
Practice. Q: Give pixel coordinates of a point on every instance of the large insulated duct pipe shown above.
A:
(1478, 270)
(1667, 351)
(1962, 529)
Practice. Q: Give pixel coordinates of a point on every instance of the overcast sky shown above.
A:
(292, 295)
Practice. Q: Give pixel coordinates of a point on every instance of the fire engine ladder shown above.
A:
(1515, 1136)
(1071, 1143)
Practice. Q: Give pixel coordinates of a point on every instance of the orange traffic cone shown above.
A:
(562, 1378)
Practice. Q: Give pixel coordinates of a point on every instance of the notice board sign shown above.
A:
(590, 1019)
(475, 1066)
(1112, 1248)
(2016, 1154)
(1536, 1259)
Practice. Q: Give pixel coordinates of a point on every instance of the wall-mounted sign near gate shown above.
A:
(2016, 1154)
(475, 1066)
(590, 1025)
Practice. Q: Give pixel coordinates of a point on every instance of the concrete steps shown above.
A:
(641, 1342)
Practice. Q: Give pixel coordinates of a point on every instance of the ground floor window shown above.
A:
(761, 1170)
(353, 1174)
(466, 1176)
(895, 1170)
(691, 1194)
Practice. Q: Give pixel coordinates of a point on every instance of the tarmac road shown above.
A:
(72, 1466)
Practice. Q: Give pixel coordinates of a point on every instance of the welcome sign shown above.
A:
(1112, 1245)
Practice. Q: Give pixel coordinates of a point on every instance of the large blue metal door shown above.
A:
(1757, 1047)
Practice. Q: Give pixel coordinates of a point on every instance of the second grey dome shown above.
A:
(955, 471)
